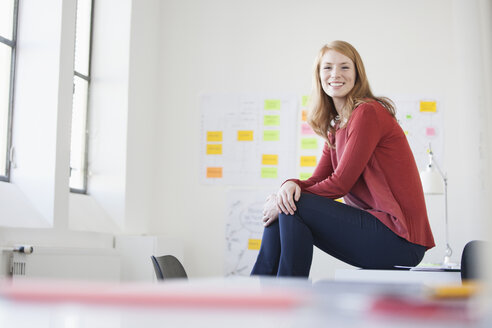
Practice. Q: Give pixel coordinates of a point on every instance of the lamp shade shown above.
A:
(432, 182)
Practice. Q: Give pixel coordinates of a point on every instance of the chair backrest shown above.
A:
(168, 267)
(471, 263)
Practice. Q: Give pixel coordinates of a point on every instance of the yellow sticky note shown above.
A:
(308, 160)
(428, 106)
(340, 200)
(271, 120)
(254, 244)
(269, 172)
(245, 135)
(304, 115)
(305, 175)
(214, 149)
(271, 135)
(305, 100)
(214, 172)
(214, 136)
(309, 143)
(269, 159)
(272, 104)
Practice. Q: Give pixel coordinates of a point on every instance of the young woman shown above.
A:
(367, 161)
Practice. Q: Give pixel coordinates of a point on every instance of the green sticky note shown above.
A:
(305, 175)
(269, 172)
(272, 104)
(305, 100)
(271, 135)
(271, 120)
(309, 143)
(409, 117)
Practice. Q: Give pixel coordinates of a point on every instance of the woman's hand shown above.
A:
(270, 210)
(288, 194)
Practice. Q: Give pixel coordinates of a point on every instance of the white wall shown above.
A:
(409, 47)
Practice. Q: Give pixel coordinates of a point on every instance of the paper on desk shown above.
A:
(431, 267)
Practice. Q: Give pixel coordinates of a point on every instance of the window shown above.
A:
(8, 33)
(79, 137)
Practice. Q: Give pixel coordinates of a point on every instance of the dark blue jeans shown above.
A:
(351, 235)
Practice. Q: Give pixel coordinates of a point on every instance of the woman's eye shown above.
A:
(345, 67)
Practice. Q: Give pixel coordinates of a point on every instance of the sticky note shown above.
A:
(309, 143)
(306, 129)
(340, 200)
(254, 244)
(408, 117)
(214, 172)
(214, 149)
(271, 120)
(304, 115)
(304, 101)
(245, 135)
(305, 175)
(430, 131)
(308, 160)
(214, 136)
(271, 135)
(428, 106)
(269, 172)
(269, 159)
(406, 132)
(272, 104)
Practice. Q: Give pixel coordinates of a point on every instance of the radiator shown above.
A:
(67, 263)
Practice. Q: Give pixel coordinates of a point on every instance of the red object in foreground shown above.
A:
(159, 295)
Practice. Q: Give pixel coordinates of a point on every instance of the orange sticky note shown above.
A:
(304, 115)
(214, 172)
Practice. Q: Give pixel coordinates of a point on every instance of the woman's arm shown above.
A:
(322, 171)
(363, 135)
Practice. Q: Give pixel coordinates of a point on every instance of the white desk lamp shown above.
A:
(435, 182)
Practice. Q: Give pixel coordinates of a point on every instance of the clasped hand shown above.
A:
(283, 201)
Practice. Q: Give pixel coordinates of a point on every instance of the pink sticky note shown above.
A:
(306, 129)
(430, 132)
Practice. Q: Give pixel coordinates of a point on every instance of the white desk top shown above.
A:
(245, 302)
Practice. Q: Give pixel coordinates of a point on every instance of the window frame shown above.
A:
(13, 45)
(87, 78)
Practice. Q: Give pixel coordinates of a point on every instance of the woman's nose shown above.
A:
(334, 72)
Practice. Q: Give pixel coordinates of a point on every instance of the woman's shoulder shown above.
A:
(368, 107)
(371, 107)
(368, 104)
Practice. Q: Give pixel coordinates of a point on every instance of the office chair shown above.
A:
(168, 267)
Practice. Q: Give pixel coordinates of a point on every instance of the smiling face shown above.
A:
(337, 76)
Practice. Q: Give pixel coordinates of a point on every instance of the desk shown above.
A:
(429, 278)
(215, 303)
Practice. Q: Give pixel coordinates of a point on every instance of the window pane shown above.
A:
(6, 18)
(82, 36)
(77, 153)
(5, 54)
